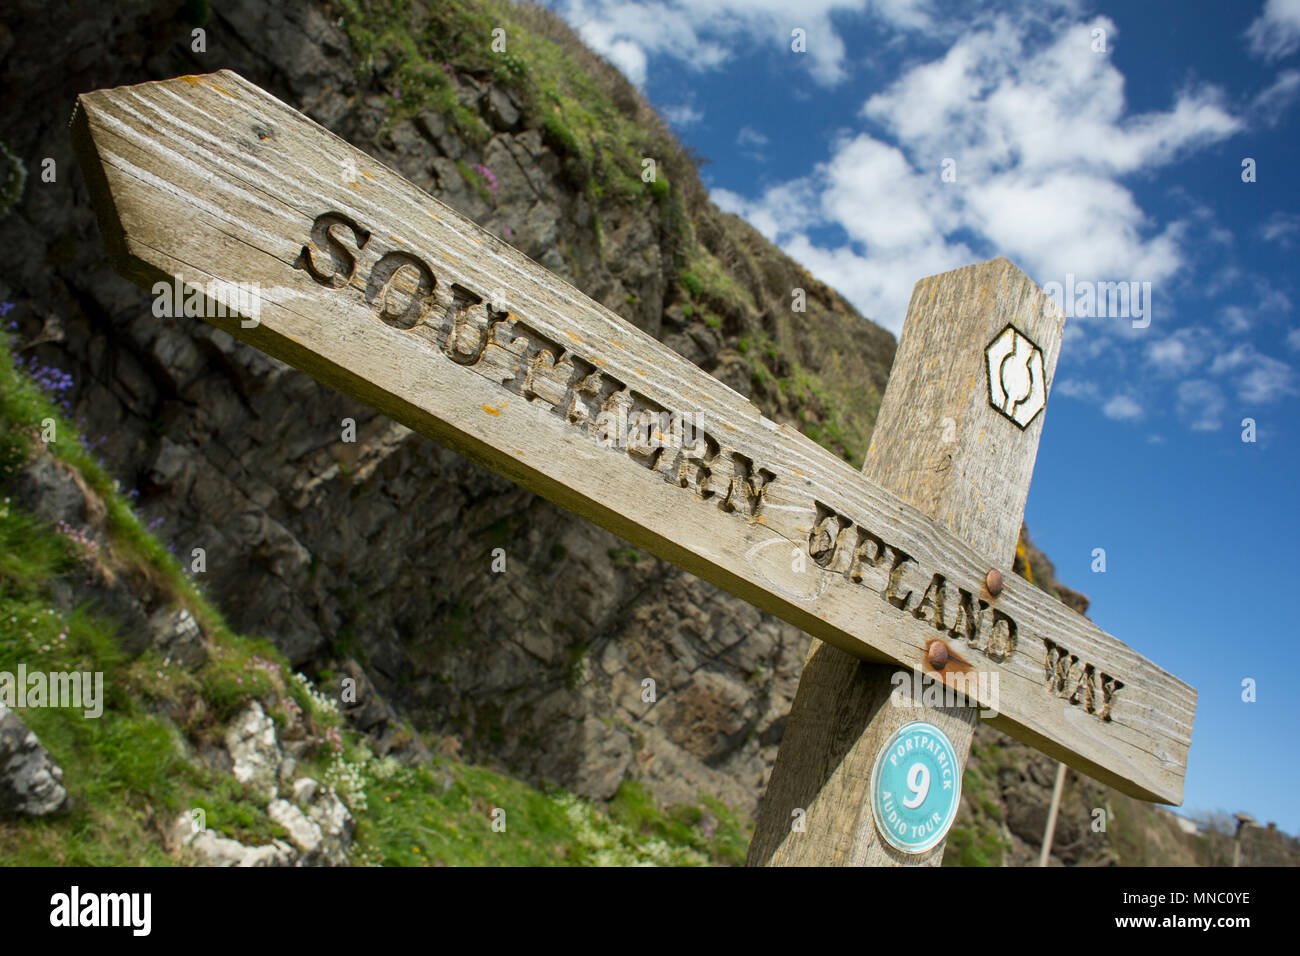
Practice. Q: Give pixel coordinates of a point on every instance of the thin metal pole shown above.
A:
(1050, 832)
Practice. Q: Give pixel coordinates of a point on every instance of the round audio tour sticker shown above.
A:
(915, 788)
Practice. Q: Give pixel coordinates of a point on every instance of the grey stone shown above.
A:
(176, 635)
(31, 783)
(254, 750)
(502, 112)
(323, 834)
(50, 490)
(304, 789)
(208, 849)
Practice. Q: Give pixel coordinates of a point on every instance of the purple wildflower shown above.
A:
(487, 176)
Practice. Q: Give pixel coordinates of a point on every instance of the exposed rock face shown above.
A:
(323, 833)
(317, 822)
(379, 550)
(31, 784)
(179, 637)
(254, 750)
(212, 850)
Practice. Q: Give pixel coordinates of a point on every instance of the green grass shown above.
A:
(710, 828)
(974, 847)
(406, 58)
(624, 557)
(978, 838)
(442, 815)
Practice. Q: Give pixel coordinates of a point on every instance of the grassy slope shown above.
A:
(133, 770)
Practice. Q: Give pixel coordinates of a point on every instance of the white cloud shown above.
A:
(682, 114)
(1041, 138)
(1122, 408)
(1293, 339)
(884, 279)
(703, 34)
(1257, 377)
(1271, 299)
(1180, 352)
(1279, 227)
(1076, 388)
(750, 137)
(1234, 319)
(1201, 404)
(1082, 342)
(1273, 101)
(998, 102)
(1275, 33)
(782, 211)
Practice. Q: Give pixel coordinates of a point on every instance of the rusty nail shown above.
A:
(993, 580)
(937, 653)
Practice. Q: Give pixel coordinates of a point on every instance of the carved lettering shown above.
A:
(548, 378)
(896, 573)
(1076, 681)
(401, 304)
(1109, 688)
(864, 567)
(823, 540)
(641, 437)
(694, 471)
(344, 263)
(1002, 636)
(747, 486)
(468, 330)
(402, 289)
(968, 622)
(838, 545)
(930, 607)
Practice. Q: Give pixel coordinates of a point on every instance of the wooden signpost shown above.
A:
(281, 233)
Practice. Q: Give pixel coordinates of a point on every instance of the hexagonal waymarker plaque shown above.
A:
(1017, 384)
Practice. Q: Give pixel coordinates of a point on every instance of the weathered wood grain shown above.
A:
(368, 284)
(940, 445)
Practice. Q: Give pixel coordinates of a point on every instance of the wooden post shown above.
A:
(941, 444)
(1049, 831)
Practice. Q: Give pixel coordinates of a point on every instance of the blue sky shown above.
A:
(1115, 164)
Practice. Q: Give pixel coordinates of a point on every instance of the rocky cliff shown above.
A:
(372, 558)
(375, 555)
